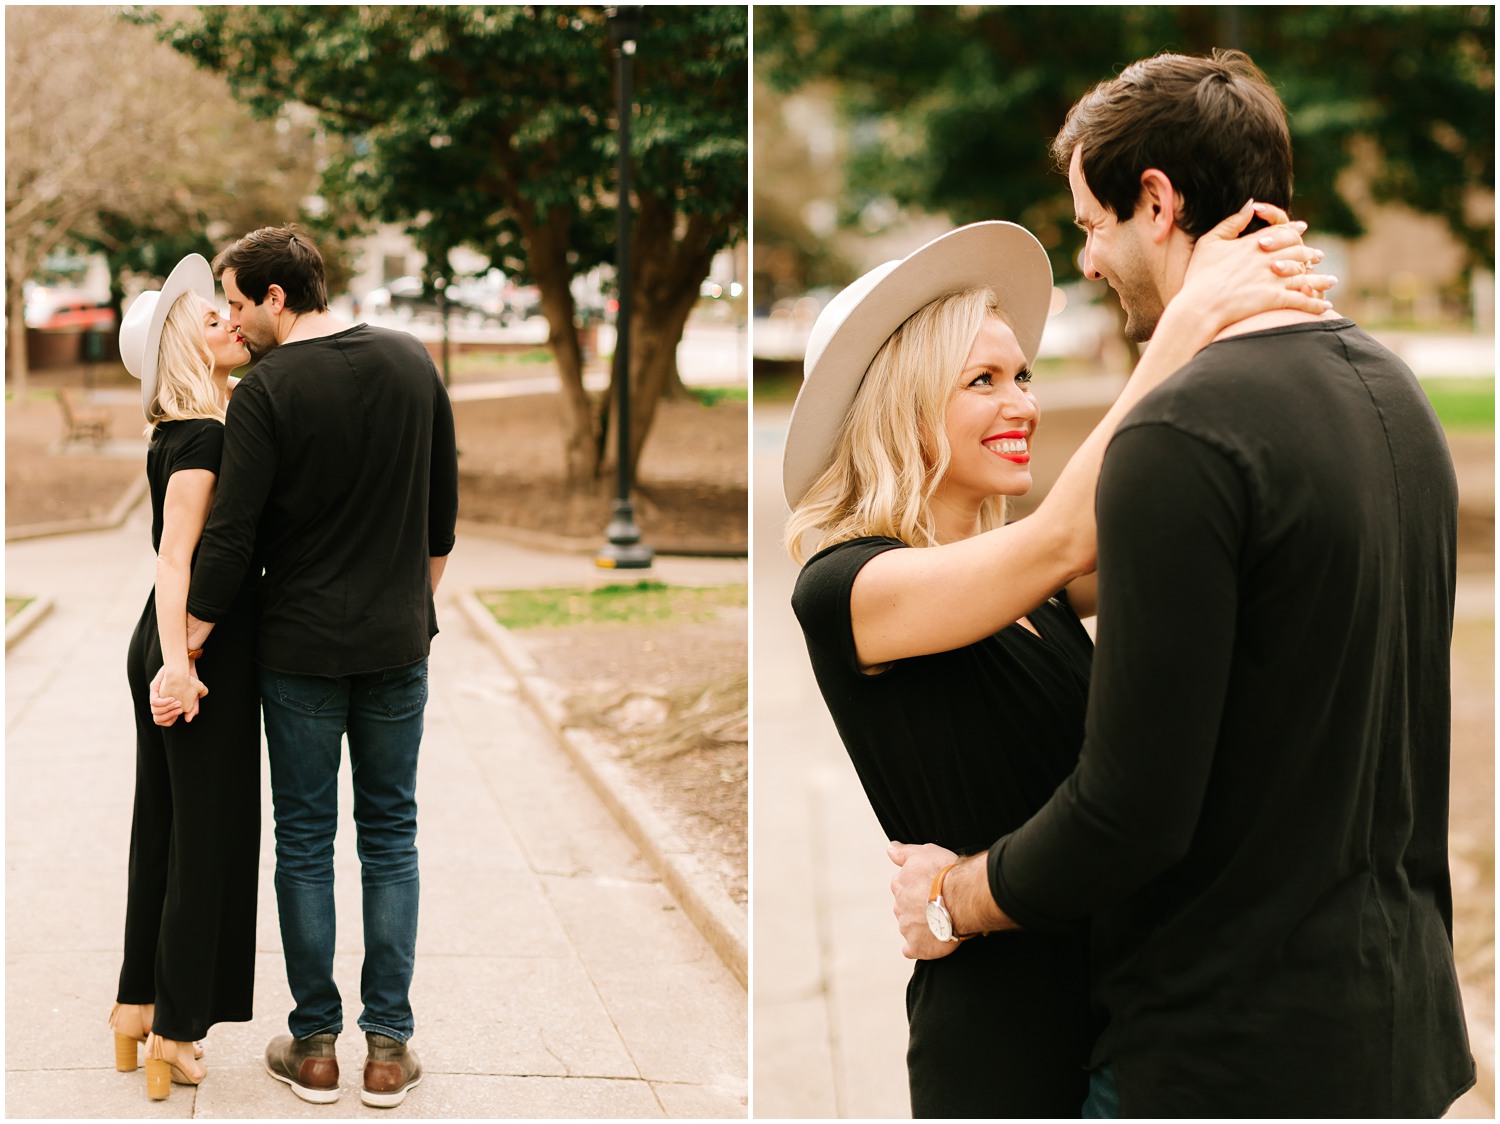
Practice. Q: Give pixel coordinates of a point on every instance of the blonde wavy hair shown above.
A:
(184, 368)
(893, 451)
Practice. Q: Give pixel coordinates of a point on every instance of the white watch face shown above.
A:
(939, 921)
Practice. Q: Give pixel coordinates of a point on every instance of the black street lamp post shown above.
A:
(624, 551)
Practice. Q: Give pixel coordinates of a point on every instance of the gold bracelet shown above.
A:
(195, 653)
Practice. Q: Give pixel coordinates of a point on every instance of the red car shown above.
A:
(64, 309)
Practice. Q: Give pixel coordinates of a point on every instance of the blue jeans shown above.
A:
(306, 718)
(1103, 1101)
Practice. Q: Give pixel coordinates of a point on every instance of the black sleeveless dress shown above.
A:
(959, 748)
(195, 836)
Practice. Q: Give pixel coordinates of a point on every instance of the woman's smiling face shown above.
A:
(990, 420)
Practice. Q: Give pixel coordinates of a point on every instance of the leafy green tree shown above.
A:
(493, 128)
(952, 109)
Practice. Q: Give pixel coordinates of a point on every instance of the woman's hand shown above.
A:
(175, 693)
(1230, 278)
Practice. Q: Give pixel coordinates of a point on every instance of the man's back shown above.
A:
(1262, 797)
(1308, 923)
(339, 471)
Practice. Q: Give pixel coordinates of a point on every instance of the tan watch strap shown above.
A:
(937, 894)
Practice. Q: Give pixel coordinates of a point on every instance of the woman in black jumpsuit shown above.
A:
(189, 958)
(948, 645)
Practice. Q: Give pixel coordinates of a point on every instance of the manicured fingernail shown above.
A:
(1265, 240)
(1301, 226)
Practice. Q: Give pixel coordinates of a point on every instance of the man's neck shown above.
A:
(1176, 272)
(1280, 318)
(314, 325)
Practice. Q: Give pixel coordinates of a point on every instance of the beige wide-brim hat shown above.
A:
(140, 330)
(854, 325)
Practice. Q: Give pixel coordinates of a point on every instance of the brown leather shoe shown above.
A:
(309, 1065)
(390, 1070)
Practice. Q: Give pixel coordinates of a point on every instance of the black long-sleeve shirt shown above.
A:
(1258, 821)
(340, 478)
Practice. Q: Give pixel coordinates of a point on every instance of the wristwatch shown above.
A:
(939, 920)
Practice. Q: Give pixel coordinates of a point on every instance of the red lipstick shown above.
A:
(1022, 457)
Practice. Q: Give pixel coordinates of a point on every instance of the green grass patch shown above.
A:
(14, 605)
(1463, 403)
(778, 387)
(643, 602)
(713, 395)
(479, 365)
(534, 356)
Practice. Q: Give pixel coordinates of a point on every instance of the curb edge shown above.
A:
(28, 618)
(113, 518)
(699, 896)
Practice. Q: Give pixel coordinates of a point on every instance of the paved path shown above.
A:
(555, 976)
(829, 979)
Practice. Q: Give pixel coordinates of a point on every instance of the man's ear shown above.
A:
(275, 298)
(1159, 204)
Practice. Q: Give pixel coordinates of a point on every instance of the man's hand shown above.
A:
(197, 632)
(176, 696)
(911, 887)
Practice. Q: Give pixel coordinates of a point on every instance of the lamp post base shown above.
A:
(624, 551)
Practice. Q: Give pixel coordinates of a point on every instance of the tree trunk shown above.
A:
(653, 363)
(15, 316)
(669, 259)
(582, 433)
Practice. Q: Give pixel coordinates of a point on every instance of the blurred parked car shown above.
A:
(67, 308)
(472, 300)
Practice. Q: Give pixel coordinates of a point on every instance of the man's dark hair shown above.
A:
(277, 255)
(1213, 125)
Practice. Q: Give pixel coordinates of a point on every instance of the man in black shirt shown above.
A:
(1257, 825)
(340, 478)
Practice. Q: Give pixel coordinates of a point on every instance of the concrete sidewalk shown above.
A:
(555, 975)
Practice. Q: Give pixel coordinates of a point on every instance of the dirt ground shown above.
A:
(49, 481)
(692, 499)
(693, 489)
(638, 686)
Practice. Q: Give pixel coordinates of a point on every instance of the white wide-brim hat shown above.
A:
(140, 330)
(854, 325)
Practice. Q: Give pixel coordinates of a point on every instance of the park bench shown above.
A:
(82, 421)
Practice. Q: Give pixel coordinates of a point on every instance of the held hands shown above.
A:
(1232, 278)
(175, 694)
(910, 887)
